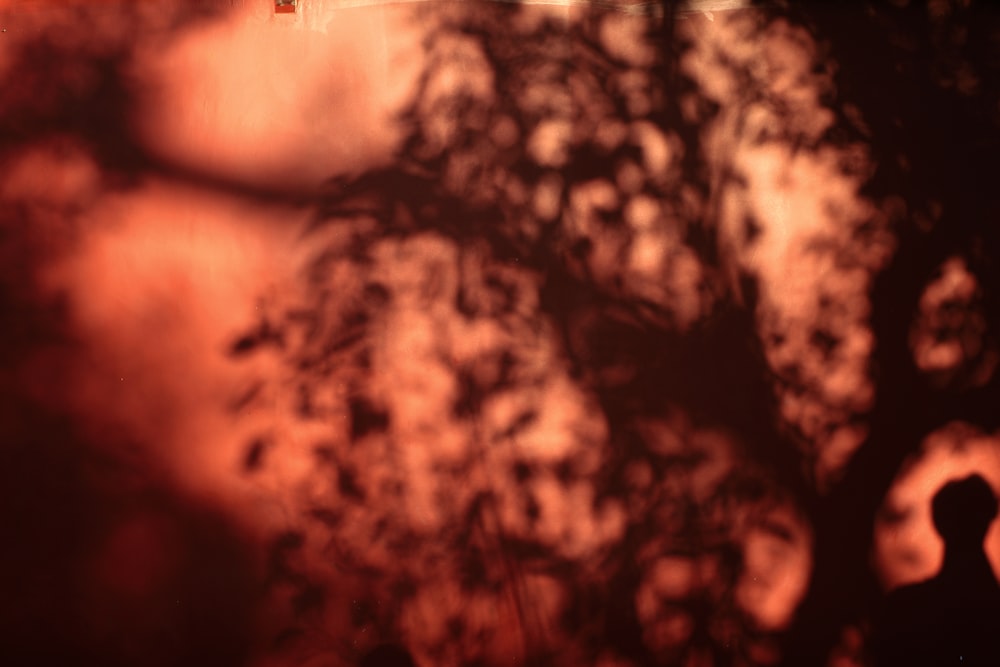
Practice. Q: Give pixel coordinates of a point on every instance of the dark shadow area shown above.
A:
(917, 82)
(86, 581)
(953, 618)
(387, 655)
(102, 562)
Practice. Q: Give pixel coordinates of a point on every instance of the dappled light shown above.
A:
(316, 100)
(789, 215)
(950, 339)
(487, 333)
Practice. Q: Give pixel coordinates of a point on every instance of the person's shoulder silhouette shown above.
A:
(954, 617)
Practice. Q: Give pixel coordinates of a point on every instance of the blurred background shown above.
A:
(591, 333)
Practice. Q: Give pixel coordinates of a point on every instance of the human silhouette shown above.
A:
(387, 655)
(954, 617)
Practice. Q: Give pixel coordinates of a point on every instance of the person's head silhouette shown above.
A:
(963, 511)
(951, 618)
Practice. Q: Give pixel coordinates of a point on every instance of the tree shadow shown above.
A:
(512, 237)
(560, 195)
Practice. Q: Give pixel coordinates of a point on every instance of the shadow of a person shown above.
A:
(954, 617)
(387, 655)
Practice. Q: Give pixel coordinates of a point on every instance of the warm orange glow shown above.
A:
(907, 548)
(422, 325)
